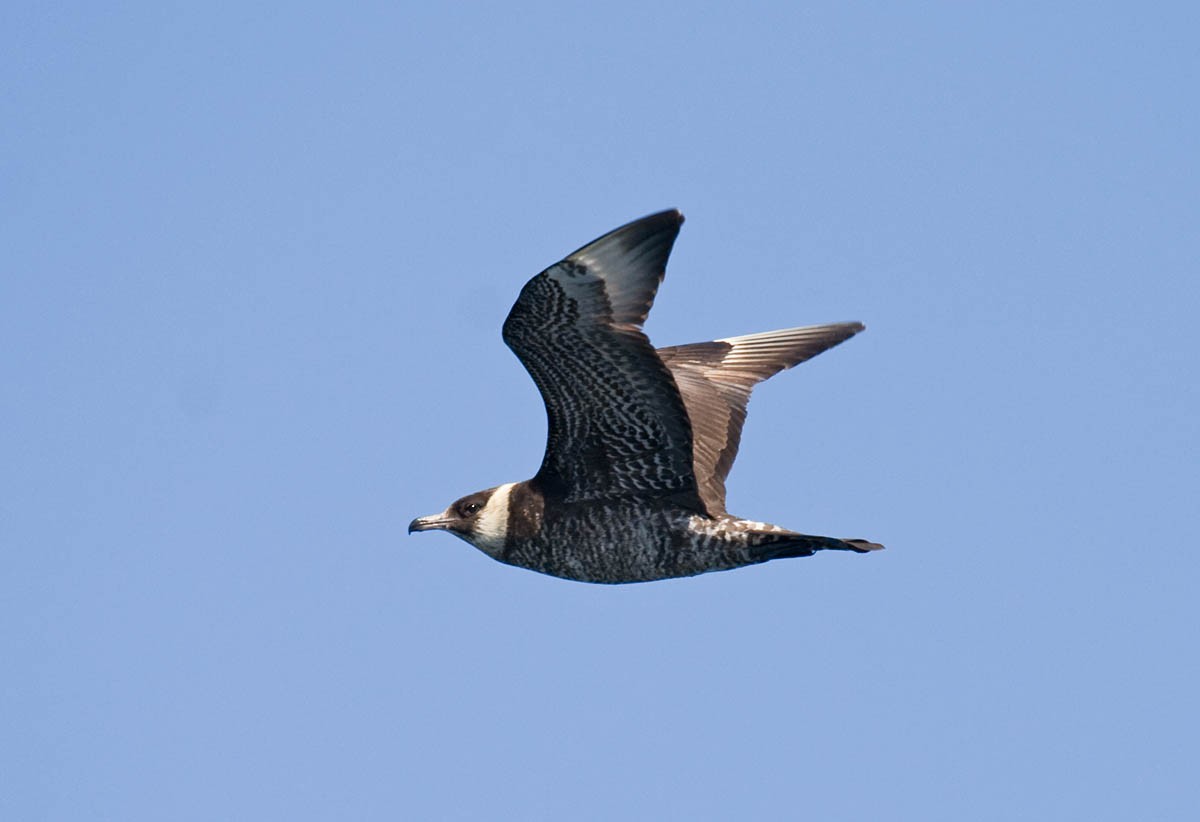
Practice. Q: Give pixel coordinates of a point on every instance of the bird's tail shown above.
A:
(787, 544)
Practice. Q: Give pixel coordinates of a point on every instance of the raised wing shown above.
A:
(617, 424)
(716, 378)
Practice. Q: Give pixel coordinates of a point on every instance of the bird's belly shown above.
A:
(621, 541)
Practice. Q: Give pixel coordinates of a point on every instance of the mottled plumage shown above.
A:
(632, 484)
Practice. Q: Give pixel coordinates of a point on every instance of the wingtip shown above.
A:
(850, 328)
(665, 219)
(660, 227)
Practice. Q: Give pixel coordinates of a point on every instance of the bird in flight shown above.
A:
(640, 440)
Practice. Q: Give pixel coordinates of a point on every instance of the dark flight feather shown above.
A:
(617, 425)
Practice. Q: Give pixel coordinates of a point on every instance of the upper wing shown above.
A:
(716, 378)
(617, 424)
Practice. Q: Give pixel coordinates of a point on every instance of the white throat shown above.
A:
(491, 526)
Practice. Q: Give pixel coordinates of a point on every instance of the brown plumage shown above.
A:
(715, 380)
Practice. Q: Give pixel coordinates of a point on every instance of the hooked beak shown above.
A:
(433, 522)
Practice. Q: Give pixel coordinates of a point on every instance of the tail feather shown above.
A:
(804, 545)
(861, 546)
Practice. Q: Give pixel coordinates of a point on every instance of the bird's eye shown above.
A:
(470, 508)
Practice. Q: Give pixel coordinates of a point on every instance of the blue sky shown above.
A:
(256, 260)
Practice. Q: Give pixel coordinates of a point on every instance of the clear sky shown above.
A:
(255, 262)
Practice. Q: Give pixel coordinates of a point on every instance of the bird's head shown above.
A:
(480, 518)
